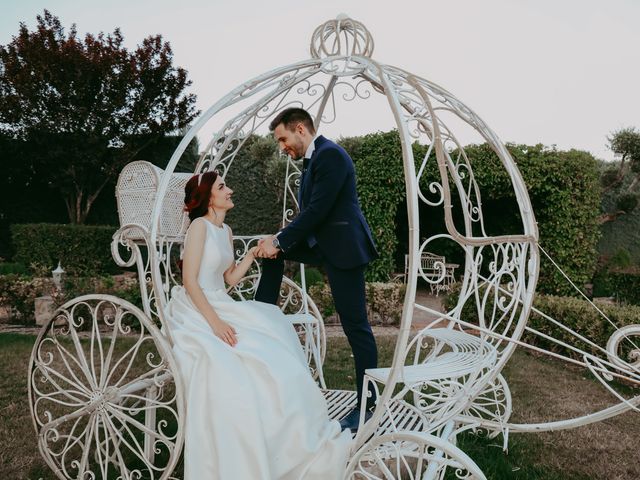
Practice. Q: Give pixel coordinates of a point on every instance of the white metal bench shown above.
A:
(433, 268)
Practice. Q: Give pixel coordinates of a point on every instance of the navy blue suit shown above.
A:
(330, 230)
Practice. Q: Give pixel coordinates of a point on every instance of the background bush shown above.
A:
(581, 317)
(563, 186)
(312, 277)
(626, 286)
(574, 313)
(45, 204)
(565, 193)
(623, 233)
(381, 189)
(384, 301)
(18, 292)
(7, 268)
(256, 177)
(82, 250)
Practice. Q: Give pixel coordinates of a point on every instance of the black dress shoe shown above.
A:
(352, 420)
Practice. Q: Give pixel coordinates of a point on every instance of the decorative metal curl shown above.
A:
(614, 344)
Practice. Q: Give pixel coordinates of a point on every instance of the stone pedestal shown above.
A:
(44, 308)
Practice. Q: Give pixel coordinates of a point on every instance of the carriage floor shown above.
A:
(399, 415)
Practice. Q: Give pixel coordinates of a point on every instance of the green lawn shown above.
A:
(541, 388)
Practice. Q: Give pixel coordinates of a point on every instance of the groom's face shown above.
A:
(290, 141)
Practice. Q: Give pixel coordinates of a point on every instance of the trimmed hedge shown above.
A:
(256, 177)
(82, 250)
(571, 312)
(7, 268)
(565, 193)
(312, 276)
(563, 186)
(581, 317)
(380, 185)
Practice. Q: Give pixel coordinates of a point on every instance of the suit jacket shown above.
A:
(330, 213)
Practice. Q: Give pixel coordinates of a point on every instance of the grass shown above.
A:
(542, 389)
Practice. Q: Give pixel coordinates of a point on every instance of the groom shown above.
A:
(329, 230)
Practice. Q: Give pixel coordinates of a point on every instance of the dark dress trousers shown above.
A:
(330, 230)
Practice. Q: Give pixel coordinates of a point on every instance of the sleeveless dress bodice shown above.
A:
(217, 256)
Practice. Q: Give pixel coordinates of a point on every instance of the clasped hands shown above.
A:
(265, 248)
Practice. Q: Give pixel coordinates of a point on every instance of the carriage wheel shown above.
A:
(103, 393)
(416, 455)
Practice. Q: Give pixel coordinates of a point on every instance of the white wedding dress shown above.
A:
(253, 411)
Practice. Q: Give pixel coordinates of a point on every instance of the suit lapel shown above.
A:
(304, 177)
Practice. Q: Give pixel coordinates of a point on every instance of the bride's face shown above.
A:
(220, 195)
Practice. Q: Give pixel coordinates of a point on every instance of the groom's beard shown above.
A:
(298, 150)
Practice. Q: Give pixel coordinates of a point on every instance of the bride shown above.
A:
(253, 409)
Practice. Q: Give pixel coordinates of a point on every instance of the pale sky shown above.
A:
(564, 72)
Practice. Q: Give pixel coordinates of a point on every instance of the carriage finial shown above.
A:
(342, 36)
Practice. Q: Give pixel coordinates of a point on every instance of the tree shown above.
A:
(622, 180)
(84, 108)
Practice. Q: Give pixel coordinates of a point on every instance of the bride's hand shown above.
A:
(225, 332)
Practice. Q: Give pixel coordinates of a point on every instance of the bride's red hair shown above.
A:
(197, 193)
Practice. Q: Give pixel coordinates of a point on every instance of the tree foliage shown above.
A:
(85, 107)
(622, 178)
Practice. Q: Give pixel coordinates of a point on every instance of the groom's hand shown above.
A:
(259, 252)
(266, 247)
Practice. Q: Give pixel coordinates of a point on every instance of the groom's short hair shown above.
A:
(290, 117)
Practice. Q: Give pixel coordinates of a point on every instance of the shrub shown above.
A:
(311, 275)
(321, 295)
(82, 250)
(626, 286)
(602, 284)
(620, 259)
(384, 301)
(18, 292)
(581, 317)
(257, 178)
(565, 195)
(574, 313)
(617, 278)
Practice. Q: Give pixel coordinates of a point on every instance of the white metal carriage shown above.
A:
(105, 392)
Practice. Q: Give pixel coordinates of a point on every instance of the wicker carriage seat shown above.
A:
(136, 190)
(466, 353)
